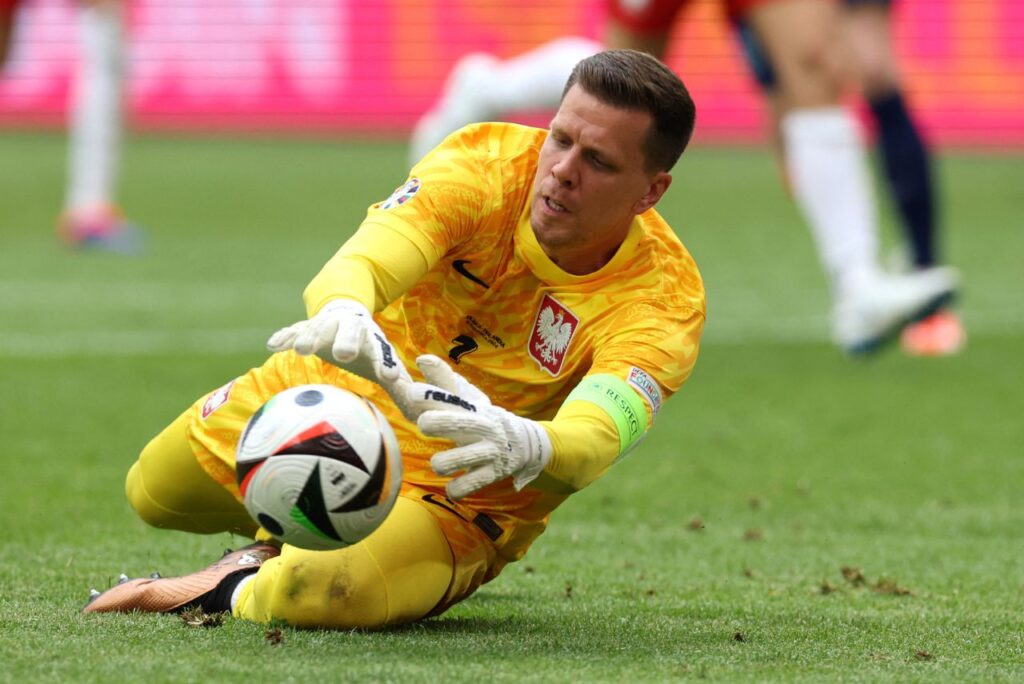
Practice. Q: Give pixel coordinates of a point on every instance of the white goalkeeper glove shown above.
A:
(344, 333)
(492, 443)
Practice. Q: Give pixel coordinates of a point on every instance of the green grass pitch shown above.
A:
(716, 551)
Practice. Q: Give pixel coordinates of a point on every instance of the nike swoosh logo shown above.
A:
(429, 498)
(460, 266)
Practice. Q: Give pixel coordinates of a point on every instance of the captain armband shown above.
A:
(621, 402)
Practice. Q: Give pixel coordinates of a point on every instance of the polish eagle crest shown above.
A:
(552, 331)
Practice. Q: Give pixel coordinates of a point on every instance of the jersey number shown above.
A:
(464, 344)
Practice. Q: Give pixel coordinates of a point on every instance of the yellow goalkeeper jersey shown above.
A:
(451, 265)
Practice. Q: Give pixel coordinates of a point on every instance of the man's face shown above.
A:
(591, 181)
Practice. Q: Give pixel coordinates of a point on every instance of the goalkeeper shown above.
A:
(531, 261)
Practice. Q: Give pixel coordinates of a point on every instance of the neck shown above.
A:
(581, 262)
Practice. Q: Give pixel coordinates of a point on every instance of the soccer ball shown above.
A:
(318, 467)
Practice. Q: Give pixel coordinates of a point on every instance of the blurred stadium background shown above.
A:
(373, 67)
(262, 129)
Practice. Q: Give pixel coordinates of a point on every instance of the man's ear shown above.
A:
(659, 184)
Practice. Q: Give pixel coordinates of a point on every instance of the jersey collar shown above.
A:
(530, 251)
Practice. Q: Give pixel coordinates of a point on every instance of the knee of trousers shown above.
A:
(150, 510)
(157, 463)
(325, 590)
(396, 575)
(169, 490)
(139, 499)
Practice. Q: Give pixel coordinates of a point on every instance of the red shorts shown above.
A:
(8, 6)
(657, 16)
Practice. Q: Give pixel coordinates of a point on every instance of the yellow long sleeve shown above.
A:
(584, 442)
(374, 267)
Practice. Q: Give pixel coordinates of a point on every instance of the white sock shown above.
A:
(535, 79)
(95, 118)
(238, 589)
(825, 160)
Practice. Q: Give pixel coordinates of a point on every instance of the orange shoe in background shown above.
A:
(941, 334)
(102, 229)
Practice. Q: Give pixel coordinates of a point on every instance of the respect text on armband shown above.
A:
(617, 399)
(632, 420)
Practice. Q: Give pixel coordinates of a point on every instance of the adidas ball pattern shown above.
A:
(318, 467)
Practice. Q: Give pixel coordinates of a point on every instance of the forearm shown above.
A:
(585, 443)
(602, 419)
(374, 267)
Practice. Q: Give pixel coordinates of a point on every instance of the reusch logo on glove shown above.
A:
(552, 332)
(452, 399)
(387, 357)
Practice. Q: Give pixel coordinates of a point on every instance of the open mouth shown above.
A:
(554, 205)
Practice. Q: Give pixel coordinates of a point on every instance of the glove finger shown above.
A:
(472, 481)
(437, 372)
(308, 335)
(282, 339)
(460, 427)
(401, 392)
(463, 458)
(349, 335)
(414, 398)
(386, 362)
(433, 398)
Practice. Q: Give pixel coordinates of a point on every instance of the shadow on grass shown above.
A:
(467, 625)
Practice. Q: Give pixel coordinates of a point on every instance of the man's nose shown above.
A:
(565, 170)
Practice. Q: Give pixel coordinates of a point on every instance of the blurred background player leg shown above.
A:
(91, 217)
(7, 12)
(825, 165)
(483, 88)
(823, 147)
(906, 161)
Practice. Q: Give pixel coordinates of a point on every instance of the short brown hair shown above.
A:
(631, 79)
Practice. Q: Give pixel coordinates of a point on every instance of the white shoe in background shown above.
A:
(880, 306)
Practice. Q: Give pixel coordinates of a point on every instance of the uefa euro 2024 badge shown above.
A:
(402, 195)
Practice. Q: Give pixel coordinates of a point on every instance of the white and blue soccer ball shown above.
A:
(318, 467)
